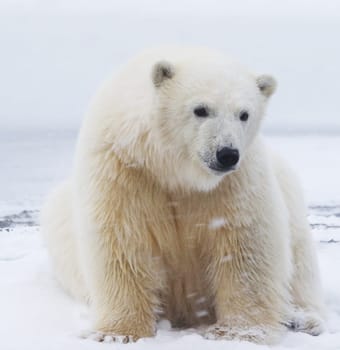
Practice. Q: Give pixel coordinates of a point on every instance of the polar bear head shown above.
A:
(208, 112)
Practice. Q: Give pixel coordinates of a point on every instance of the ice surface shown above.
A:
(35, 314)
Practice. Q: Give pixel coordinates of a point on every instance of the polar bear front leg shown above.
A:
(122, 298)
(116, 245)
(308, 311)
(121, 289)
(250, 293)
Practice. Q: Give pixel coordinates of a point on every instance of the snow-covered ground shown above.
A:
(34, 311)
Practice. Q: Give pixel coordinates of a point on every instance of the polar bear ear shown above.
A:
(162, 71)
(266, 84)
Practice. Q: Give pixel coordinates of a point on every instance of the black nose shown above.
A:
(227, 157)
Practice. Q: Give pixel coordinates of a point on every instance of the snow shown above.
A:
(37, 314)
(217, 223)
(227, 258)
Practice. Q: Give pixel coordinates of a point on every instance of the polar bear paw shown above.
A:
(307, 322)
(107, 337)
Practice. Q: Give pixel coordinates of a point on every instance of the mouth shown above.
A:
(219, 170)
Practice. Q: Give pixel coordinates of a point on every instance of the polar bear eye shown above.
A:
(201, 111)
(244, 116)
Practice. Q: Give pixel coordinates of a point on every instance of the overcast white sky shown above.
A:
(55, 53)
(232, 7)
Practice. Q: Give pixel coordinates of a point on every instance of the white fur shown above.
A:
(144, 219)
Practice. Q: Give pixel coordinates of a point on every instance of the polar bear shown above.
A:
(176, 208)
